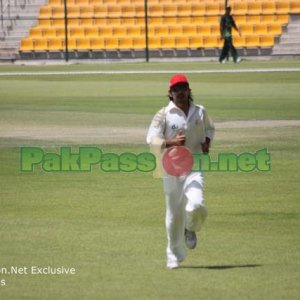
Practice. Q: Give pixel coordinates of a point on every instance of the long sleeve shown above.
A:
(156, 130)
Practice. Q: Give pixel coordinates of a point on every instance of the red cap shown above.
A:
(178, 78)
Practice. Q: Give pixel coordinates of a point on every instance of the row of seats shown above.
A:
(193, 8)
(137, 31)
(138, 10)
(212, 20)
(119, 2)
(155, 42)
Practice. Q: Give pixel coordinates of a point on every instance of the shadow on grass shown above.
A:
(222, 267)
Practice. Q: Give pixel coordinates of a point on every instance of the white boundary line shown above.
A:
(149, 72)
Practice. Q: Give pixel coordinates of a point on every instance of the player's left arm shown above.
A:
(209, 132)
(235, 26)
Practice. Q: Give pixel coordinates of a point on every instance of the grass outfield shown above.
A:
(110, 226)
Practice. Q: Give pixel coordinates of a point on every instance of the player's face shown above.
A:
(180, 93)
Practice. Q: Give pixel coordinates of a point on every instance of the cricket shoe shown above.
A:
(190, 239)
(238, 60)
(174, 261)
(172, 264)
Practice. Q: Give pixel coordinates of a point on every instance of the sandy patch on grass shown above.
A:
(115, 135)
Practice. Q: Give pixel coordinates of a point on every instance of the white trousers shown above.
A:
(184, 209)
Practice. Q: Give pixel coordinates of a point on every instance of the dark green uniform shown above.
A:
(227, 22)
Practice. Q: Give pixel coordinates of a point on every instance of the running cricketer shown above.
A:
(182, 123)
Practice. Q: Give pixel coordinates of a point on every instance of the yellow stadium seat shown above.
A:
(82, 2)
(72, 44)
(167, 42)
(94, 2)
(155, 10)
(268, 7)
(74, 22)
(106, 31)
(87, 11)
(254, 8)
(245, 29)
(114, 11)
(196, 42)
(266, 41)
(174, 30)
(282, 19)
(58, 12)
(189, 30)
(212, 8)
(60, 32)
(135, 31)
(119, 31)
(282, 7)
(74, 12)
(26, 44)
(198, 9)
(97, 43)
(182, 42)
(210, 42)
(274, 29)
(161, 31)
(100, 22)
(214, 29)
(45, 12)
(212, 20)
(122, 2)
(55, 44)
(128, 11)
(111, 43)
(170, 10)
(77, 32)
(239, 41)
(55, 2)
(184, 9)
(40, 44)
(139, 43)
(266, 19)
(140, 21)
(125, 43)
(154, 42)
(239, 8)
(44, 22)
(83, 44)
(86, 22)
(170, 20)
(36, 32)
(260, 29)
(92, 32)
(241, 20)
(100, 11)
(181, 20)
(139, 11)
(254, 19)
(252, 41)
(207, 30)
(152, 30)
(49, 32)
(294, 6)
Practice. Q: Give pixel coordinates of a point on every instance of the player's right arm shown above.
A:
(156, 133)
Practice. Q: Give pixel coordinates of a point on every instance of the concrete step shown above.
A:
(290, 39)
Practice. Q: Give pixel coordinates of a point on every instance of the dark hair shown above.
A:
(171, 98)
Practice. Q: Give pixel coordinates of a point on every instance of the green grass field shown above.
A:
(110, 226)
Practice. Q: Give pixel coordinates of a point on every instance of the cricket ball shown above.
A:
(177, 161)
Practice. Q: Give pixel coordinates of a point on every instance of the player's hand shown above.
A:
(205, 146)
(178, 140)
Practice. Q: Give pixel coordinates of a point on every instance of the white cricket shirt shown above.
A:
(170, 120)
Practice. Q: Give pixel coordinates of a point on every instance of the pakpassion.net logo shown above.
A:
(175, 161)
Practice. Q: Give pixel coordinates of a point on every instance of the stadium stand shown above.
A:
(187, 27)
